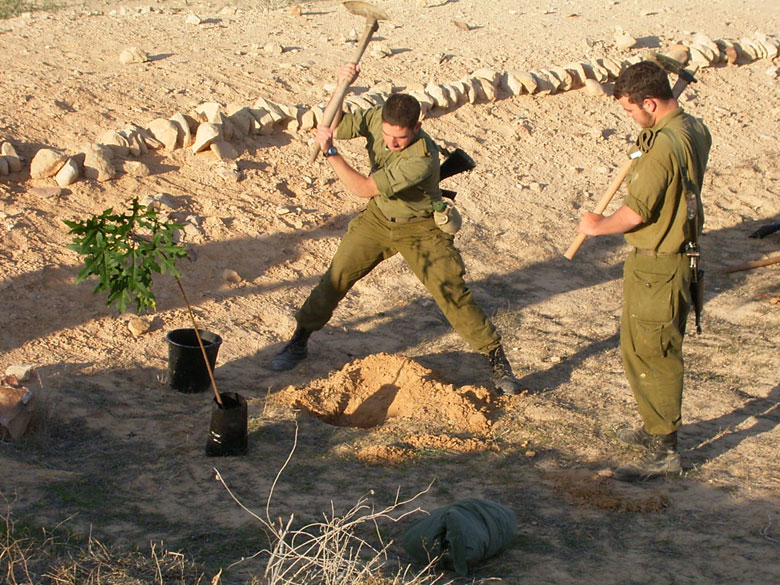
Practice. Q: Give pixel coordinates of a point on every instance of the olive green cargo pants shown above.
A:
(429, 252)
(656, 302)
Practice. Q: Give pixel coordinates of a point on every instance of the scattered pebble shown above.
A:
(138, 326)
(133, 55)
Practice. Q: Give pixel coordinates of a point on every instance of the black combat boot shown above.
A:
(662, 459)
(635, 437)
(295, 351)
(502, 376)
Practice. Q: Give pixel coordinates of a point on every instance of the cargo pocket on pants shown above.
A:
(652, 293)
(651, 312)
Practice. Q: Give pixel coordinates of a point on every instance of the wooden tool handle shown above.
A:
(601, 206)
(328, 116)
(751, 265)
(338, 97)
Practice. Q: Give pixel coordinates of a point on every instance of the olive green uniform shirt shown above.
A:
(655, 190)
(407, 180)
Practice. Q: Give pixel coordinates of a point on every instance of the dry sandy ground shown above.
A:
(390, 399)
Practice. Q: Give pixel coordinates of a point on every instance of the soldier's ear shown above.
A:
(649, 105)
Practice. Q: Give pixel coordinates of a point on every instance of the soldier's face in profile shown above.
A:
(397, 137)
(643, 114)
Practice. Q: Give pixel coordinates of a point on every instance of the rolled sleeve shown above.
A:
(355, 124)
(647, 186)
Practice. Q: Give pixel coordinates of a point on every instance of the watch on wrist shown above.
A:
(330, 152)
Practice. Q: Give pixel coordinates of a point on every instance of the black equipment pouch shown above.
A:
(697, 296)
(692, 251)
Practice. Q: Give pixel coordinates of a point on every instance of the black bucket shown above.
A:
(228, 430)
(187, 370)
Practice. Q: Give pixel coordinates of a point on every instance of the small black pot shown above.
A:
(187, 370)
(228, 428)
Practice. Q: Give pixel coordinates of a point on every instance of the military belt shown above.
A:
(642, 252)
(408, 219)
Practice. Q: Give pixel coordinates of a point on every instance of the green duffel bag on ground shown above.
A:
(463, 534)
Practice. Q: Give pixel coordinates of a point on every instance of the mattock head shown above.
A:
(670, 65)
(371, 12)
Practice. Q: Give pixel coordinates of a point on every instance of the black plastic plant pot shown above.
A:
(187, 370)
(228, 428)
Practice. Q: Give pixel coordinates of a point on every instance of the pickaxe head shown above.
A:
(371, 12)
(671, 65)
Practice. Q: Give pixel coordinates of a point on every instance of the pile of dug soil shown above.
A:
(369, 392)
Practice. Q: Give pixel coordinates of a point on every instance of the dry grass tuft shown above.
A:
(30, 557)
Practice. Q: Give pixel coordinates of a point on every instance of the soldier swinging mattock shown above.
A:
(404, 198)
(661, 218)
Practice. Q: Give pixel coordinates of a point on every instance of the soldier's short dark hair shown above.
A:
(401, 109)
(641, 81)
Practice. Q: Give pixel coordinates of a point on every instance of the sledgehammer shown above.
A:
(373, 15)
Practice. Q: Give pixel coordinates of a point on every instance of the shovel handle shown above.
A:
(601, 206)
(338, 97)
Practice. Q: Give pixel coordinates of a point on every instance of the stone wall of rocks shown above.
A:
(212, 126)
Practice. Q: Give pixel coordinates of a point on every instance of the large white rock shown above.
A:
(242, 120)
(594, 88)
(4, 170)
(624, 41)
(485, 90)
(528, 81)
(437, 94)
(204, 136)
(116, 142)
(265, 120)
(9, 152)
(97, 162)
(133, 55)
(146, 138)
(208, 112)
(68, 174)
(46, 163)
(22, 372)
(276, 112)
(135, 168)
(183, 130)
(566, 81)
(491, 75)
(308, 120)
(135, 141)
(166, 131)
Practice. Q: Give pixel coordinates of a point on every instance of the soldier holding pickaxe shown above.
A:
(403, 198)
(661, 218)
